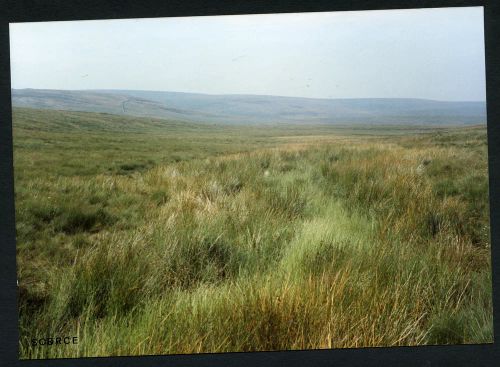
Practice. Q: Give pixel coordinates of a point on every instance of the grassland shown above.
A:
(145, 236)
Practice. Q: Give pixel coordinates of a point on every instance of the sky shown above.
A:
(416, 53)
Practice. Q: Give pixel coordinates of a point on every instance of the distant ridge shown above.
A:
(238, 109)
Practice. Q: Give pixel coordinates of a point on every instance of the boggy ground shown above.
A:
(201, 238)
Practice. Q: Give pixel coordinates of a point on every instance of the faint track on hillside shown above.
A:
(123, 104)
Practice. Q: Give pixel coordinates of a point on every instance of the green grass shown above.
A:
(145, 236)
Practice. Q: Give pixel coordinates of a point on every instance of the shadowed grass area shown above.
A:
(187, 239)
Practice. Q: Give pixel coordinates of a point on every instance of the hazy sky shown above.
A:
(427, 53)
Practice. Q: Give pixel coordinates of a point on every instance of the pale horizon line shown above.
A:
(251, 94)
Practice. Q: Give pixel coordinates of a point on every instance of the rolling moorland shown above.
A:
(244, 109)
(142, 235)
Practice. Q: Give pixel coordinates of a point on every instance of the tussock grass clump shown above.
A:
(70, 218)
(268, 244)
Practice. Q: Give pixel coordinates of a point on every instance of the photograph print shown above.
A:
(247, 183)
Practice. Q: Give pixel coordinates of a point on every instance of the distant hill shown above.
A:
(240, 109)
